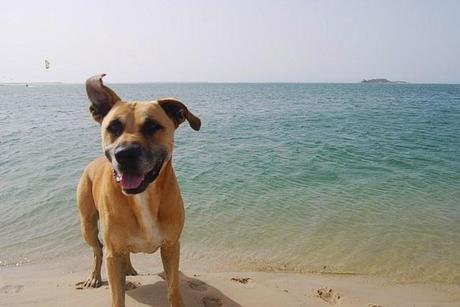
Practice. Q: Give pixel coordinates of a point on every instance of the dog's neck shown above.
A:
(152, 203)
(165, 177)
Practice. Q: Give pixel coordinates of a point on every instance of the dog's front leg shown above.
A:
(116, 273)
(170, 258)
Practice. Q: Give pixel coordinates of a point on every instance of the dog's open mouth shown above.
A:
(129, 181)
(133, 183)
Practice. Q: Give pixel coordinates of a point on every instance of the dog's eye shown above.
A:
(115, 128)
(150, 127)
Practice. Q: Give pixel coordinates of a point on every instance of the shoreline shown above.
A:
(51, 285)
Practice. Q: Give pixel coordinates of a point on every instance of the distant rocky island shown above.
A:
(381, 80)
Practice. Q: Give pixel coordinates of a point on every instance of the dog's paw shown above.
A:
(93, 281)
(131, 272)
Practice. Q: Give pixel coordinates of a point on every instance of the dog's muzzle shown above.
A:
(128, 156)
(136, 168)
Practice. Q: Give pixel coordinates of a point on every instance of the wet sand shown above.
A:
(47, 285)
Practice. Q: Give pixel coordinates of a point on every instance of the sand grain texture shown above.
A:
(25, 287)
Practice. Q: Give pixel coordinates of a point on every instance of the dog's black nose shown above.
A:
(128, 154)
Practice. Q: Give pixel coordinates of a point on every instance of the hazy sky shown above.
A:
(242, 41)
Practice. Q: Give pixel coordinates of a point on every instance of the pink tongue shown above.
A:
(131, 181)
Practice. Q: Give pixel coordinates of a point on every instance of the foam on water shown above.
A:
(307, 177)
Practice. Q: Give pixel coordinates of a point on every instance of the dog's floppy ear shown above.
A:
(102, 98)
(178, 112)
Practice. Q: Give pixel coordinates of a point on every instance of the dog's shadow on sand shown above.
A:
(194, 293)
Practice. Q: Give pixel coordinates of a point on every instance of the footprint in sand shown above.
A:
(132, 285)
(209, 301)
(197, 285)
(241, 280)
(328, 295)
(11, 289)
(374, 305)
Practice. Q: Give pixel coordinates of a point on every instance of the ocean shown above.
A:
(334, 178)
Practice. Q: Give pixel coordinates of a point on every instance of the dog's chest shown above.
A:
(148, 236)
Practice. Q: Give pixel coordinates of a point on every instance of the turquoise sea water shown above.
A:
(350, 178)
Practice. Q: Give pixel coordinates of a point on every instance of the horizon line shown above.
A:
(218, 82)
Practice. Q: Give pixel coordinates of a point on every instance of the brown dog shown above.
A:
(133, 191)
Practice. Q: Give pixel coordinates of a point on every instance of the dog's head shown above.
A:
(137, 137)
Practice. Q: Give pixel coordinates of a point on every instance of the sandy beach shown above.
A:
(49, 285)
